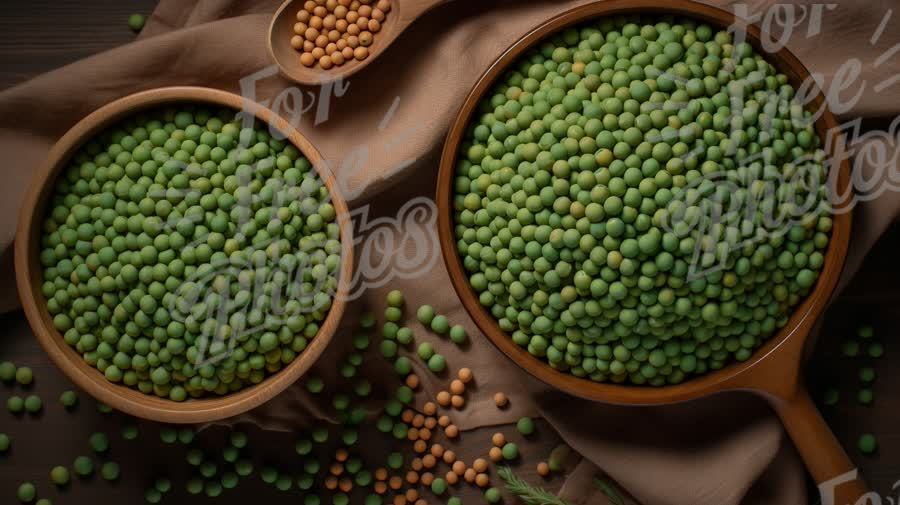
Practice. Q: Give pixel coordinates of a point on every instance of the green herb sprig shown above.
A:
(530, 495)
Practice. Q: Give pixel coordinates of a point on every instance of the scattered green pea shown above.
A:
(525, 426)
(867, 444)
(209, 469)
(83, 466)
(315, 384)
(349, 437)
(7, 372)
(374, 499)
(194, 486)
(130, 431)
(24, 376)
(361, 342)
(229, 480)
(865, 331)
(104, 408)
(865, 396)
(26, 492)
(110, 471)
(867, 374)
(438, 486)
(363, 478)
(403, 366)
(152, 496)
(186, 435)
(510, 451)
(832, 397)
(395, 460)
(168, 434)
(437, 363)
(306, 481)
(393, 314)
(454, 500)
(194, 457)
(136, 22)
(33, 404)
(268, 474)
(404, 395)
(876, 350)
(59, 475)
(425, 314)
(99, 442)
(243, 467)
(320, 435)
(458, 334)
(43, 501)
(340, 499)
(4, 443)
(212, 488)
(492, 495)
(237, 439)
(425, 351)
(390, 330)
(395, 299)
(367, 320)
(163, 484)
(347, 371)
(68, 399)
(850, 348)
(440, 324)
(15, 404)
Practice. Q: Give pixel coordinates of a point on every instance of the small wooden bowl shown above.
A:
(401, 15)
(29, 276)
(773, 370)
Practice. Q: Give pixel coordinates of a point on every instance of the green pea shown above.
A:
(425, 351)
(4, 442)
(510, 451)
(437, 363)
(395, 299)
(440, 324)
(876, 350)
(525, 426)
(425, 314)
(68, 399)
(168, 434)
(130, 432)
(83, 466)
(458, 334)
(24, 376)
(867, 444)
(109, 471)
(315, 385)
(59, 475)
(15, 404)
(136, 24)
(438, 486)
(867, 375)
(7, 371)
(26, 492)
(865, 396)
(33, 404)
(99, 442)
(492, 495)
(832, 397)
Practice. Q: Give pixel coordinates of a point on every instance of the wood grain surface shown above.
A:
(39, 35)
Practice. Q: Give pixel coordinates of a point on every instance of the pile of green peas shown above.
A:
(582, 174)
(188, 251)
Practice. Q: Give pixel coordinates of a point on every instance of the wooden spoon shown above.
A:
(773, 372)
(401, 15)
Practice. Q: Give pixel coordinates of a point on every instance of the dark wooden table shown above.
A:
(39, 35)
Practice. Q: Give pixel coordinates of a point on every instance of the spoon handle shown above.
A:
(838, 478)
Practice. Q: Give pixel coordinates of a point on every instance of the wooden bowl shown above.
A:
(401, 15)
(29, 275)
(773, 370)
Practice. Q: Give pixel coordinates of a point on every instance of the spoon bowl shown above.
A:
(401, 15)
(773, 371)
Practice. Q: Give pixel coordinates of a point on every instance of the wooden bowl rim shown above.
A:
(786, 345)
(90, 379)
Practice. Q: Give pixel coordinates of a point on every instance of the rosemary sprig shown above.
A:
(528, 494)
(610, 491)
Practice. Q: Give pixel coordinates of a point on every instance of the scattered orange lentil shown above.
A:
(341, 454)
(381, 474)
(348, 53)
(458, 401)
(365, 38)
(307, 59)
(395, 482)
(412, 381)
(303, 16)
(430, 422)
(443, 398)
(400, 500)
(430, 409)
(412, 434)
(383, 5)
(345, 485)
(412, 495)
(501, 400)
(469, 475)
(480, 465)
(428, 461)
(420, 446)
(418, 421)
(543, 469)
(297, 42)
(421, 501)
(449, 457)
(425, 434)
(380, 487)
(407, 416)
(427, 478)
(331, 483)
(452, 478)
(412, 477)
(325, 62)
(437, 450)
(443, 421)
(457, 387)
(374, 25)
(482, 480)
(498, 439)
(337, 469)
(451, 431)
(458, 467)
(496, 454)
(416, 464)
(378, 14)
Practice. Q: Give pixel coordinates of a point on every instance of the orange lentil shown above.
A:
(320, 11)
(420, 446)
(458, 467)
(362, 23)
(337, 469)
(331, 483)
(352, 17)
(469, 475)
(341, 454)
(498, 439)
(449, 457)
(412, 495)
(465, 375)
(444, 421)
(383, 5)
(412, 477)
(399, 500)
(458, 401)
(309, 5)
(361, 53)
(430, 423)
(348, 53)
(307, 59)
(380, 487)
(345, 3)
(340, 12)
(341, 25)
(412, 381)
(457, 387)
(416, 464)
(374, 25)
(330, 48)
(427, 478)
(341, 44)
(352, 29)
(317, 53)
(452, 478)
(480, 465)
(311, 33)
(451, 431)
(354, 5)
(482, 480)
(430, 409)
(365, 11)
(345, 485)
(352, 41)
(381, 474)
(322, 41)
(315, 22)
(330, 4)
(329, 21)
(337, 57)
(421, 501)
(395, 482)
(428, 461)
(443, 397)
(425, 434)
(303, 16)
(418, 421)
(407, 416)
(500, 399)
(308, 45)
(496, 454)
(334, 36)
(412, 433)
(297, 42)
(543, 469)
(378, 14)
(300, 28)
(437, 450)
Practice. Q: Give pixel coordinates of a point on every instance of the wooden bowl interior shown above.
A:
(29, 276)
(288, 59)
(788, 341)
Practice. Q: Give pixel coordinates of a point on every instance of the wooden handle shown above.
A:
(838, 479)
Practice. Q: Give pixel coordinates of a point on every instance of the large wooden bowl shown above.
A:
(774, 370)
(29, 275)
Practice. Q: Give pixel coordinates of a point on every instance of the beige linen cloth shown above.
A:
(722, 451)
